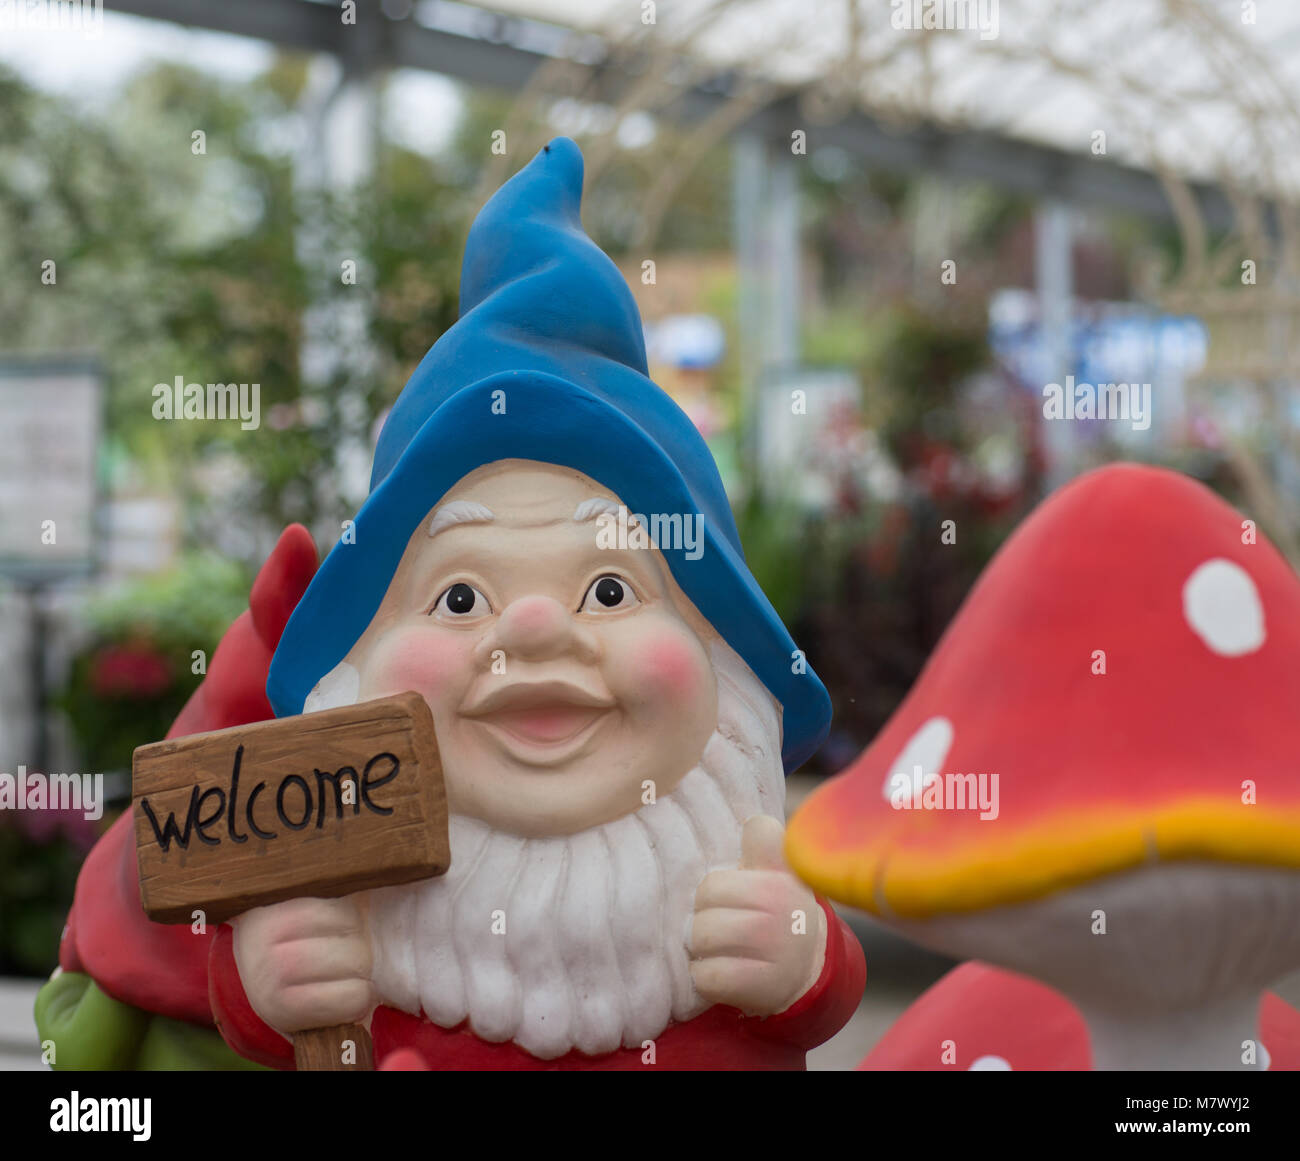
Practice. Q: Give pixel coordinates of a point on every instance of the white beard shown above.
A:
(594, 954)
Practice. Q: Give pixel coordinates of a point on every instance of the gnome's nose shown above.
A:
(536, 628)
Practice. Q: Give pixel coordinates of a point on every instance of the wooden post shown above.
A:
(323, 1049)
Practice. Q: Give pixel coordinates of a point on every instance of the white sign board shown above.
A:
(51, 417)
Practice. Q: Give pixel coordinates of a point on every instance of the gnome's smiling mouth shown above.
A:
(542, 723)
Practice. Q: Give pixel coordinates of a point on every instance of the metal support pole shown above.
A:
(766, 208)
(782, 253)
(748, 164)
(39, 678)
(1055, 278)
(342, 110)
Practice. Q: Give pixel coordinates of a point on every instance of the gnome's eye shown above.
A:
(608, 594)
(461, 602)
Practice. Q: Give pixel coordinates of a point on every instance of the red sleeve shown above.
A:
(825, 1007)
(241, 1027)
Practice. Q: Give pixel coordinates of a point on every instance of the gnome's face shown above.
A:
(567, 680)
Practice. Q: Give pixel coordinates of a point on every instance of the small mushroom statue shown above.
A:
(1093, 784)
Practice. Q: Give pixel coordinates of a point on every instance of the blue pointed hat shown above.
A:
(547, 362)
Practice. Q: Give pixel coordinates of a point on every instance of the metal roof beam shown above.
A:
(494, 61)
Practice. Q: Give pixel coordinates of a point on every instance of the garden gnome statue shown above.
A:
(548, 557)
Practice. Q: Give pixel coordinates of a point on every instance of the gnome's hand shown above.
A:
(758, 941)
(306, 963)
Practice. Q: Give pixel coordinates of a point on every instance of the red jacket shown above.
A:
(177, 972)
(720, 1038)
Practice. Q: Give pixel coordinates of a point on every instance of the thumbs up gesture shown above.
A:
(758, 939)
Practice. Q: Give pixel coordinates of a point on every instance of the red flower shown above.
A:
(131, 670)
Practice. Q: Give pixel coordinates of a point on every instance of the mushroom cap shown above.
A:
(1156, 758)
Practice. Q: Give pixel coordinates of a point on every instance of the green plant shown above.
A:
(37, 877)
(148, 651)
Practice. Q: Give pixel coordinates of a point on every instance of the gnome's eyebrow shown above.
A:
(596, 506)
(459, 512)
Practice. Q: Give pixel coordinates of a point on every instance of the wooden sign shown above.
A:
(322, 804)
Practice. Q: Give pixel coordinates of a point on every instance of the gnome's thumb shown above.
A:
(762, 844)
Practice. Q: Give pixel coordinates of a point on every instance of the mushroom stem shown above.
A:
(1166, 964)
(1216, 1036)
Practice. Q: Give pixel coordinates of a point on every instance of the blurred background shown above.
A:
(862, 248)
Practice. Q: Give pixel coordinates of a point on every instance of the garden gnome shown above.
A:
(548, 557)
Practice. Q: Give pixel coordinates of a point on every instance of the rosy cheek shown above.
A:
(429, 662)
(669, 669)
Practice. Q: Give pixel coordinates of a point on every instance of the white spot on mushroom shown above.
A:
(927, 749)
(1222, 606)
(991, 1064)
(1265, 1060)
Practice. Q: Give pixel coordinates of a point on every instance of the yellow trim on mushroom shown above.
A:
(1064, 851)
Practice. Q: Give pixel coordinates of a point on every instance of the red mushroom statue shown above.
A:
(1095, 784)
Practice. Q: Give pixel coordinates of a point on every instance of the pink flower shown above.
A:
(131, 670)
